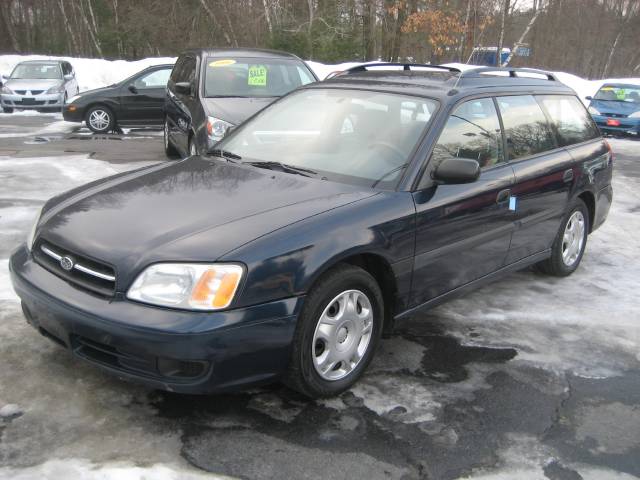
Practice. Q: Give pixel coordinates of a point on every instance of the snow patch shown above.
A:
(82, 469)
(10, 410)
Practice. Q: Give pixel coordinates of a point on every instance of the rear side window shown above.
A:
(472, 131)
(569, 119)
(526, 127)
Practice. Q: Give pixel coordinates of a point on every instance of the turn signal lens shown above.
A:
(72, 108)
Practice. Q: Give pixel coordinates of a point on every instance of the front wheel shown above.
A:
(337, 332)
(570, 243)
(169, 149)
(100, 119)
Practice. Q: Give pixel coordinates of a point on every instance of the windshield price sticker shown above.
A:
(257, 76)
(222, 63)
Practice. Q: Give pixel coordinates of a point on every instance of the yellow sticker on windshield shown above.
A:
(222, 63)
(257, 76)
(621, 94)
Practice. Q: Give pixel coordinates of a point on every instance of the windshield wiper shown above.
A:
(283, 167)
(227, 155)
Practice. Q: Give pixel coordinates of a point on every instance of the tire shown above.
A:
(169, 149)
(7, 109)
(319, 346)
(570, 243)
(104, 120)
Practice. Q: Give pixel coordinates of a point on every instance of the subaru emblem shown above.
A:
(66, 263)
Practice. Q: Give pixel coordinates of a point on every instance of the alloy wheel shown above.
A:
(573, 238)
(99, 119)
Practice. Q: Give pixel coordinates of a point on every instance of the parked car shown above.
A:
(212, 90)
(616, 109)
(38, 84)
(134, 102)
(314, 226)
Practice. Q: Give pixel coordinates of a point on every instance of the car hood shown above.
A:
(194, 210)
(96, 91)
(31, 84)
(606, 106)
(237, 109)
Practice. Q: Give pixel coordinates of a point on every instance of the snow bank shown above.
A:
(95, 72)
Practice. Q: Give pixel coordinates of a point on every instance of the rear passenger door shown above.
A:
(543, 175)
(463, 231)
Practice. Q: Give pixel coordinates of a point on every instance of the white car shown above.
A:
(38, 84)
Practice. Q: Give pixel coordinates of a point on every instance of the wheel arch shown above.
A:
(590, 201)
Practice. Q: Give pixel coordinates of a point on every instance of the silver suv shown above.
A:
(38, 84)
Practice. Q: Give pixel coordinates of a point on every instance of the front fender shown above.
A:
(288, 261)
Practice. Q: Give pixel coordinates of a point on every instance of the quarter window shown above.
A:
(569, 119)
(472, 131)
(526, 127)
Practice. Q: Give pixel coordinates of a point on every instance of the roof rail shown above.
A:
(405, 66)
(513, 72)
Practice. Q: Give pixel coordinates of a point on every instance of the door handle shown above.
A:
(503, 196)
(567, 176)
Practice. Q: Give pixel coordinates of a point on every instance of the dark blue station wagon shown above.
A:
(299, 239)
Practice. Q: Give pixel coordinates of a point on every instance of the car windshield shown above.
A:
(619, 93)
(39, 71)
(350, 136)
(254, 77)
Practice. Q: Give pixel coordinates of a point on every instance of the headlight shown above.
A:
(73, 99)
(593, 111)
(56, 89)
(190, 286)
(32, 232)
(6, 90)
(635, 114)
(217, 128)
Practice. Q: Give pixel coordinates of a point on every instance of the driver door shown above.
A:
(143, 99)
(463, 231)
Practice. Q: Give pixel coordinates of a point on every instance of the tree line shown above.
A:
(590, 38)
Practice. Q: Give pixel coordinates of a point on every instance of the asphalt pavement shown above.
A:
(528, 378)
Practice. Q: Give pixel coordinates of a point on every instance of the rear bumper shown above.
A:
(186, 352)
(29, 102)
(604, 199)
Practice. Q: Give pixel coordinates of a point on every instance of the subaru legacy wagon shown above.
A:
(292, 246)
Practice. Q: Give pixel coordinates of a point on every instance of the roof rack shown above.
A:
(405, 66)
(513, 72)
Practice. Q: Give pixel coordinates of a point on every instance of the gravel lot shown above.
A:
(527, 378)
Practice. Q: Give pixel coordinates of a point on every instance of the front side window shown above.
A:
(569, 119)
(351, 136)
(157, 79)
(253, 77)
(38, 71)
(525, 125)
(473, 132)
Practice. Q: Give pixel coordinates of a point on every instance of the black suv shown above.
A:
(315, 225)
(210, 91)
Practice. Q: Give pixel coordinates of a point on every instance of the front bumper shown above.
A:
(72, 113)
(31, 102)
(628, 126)
(186, 352)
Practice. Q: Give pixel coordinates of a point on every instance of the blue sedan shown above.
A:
(616, 109)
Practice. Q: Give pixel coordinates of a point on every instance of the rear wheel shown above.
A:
(169, 149)
(569, 245)
(7, 109)
(100, 119)
(337, 332)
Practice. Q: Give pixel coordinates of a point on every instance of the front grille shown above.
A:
(616, 115)
(20, 92)
(137, 364)
(81, 271)
(36, 92)
(29, 101)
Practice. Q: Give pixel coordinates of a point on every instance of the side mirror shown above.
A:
(183, 88)
(133, 89)
(68, 77)
(588, 97)
(454, 170)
